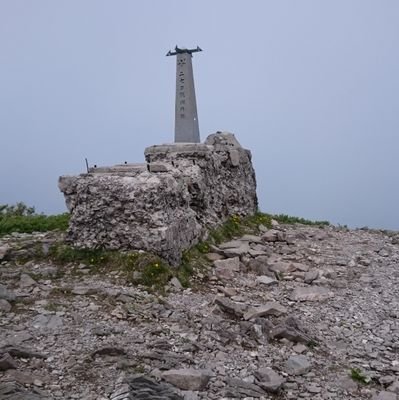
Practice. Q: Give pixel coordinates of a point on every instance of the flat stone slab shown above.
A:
(231, 263)
(230, 307)
(188, 379)
(266, 280)
(270, 308)
(119, 168)
(311, 293)
(251, 239)
(282, 267)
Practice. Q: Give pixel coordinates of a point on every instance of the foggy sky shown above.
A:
(311, 87)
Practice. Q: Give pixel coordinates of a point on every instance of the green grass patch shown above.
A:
(286, 219)
(194, 260)
(358, 376)
(156, 274)
(21, 218)
(135, 267)
(237, 226)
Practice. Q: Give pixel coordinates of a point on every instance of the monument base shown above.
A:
(166, 205)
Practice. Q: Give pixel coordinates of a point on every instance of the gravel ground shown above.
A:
(296, 312)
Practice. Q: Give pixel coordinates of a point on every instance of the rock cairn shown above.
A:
(165, 205)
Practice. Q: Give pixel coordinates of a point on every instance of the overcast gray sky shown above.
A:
(310, 86)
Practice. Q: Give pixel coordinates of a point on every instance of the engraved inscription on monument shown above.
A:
(186, 118)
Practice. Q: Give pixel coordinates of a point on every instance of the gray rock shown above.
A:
(297, 365)
(385, 396)
(310, 276)
(18, 351)
(282, 267)
(260, 266)
(232, 244)
(108, 351)
(7, 362)
(176, 283)
(26, 281)
(300, 266)
(299, 348)
(313, 388)
(271, 235)
(16, 391)
(6, 294)
(167, 211)
(144, 388)
(269, 380)
(270, 308)
(231, 263)
(3, 251)
(311, 293)
(152, 167)
(266, 280)
(82, 290)
(228, 291)
(226, 269)
(230, 307)
(394, 387)
(237, 251)
(291, 331)
(238, 387)
(347, 384)
(214, 256)
(190, 395)
(5, 305)
(251, 239)
(50, 322)
(188, 379)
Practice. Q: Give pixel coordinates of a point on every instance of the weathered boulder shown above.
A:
(165, 209)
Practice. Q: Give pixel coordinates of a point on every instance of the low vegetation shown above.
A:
(136, 267)
(237, 226)
(286, 219)
(21, 218)
(358, 376)
(132, 266)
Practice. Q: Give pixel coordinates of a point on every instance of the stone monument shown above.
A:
(186, 117)
(167, 204)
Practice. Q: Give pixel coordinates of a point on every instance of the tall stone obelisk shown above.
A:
(186, 118)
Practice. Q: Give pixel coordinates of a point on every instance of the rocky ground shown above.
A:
(296, 312)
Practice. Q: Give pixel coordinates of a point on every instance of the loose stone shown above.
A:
(188, 379)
